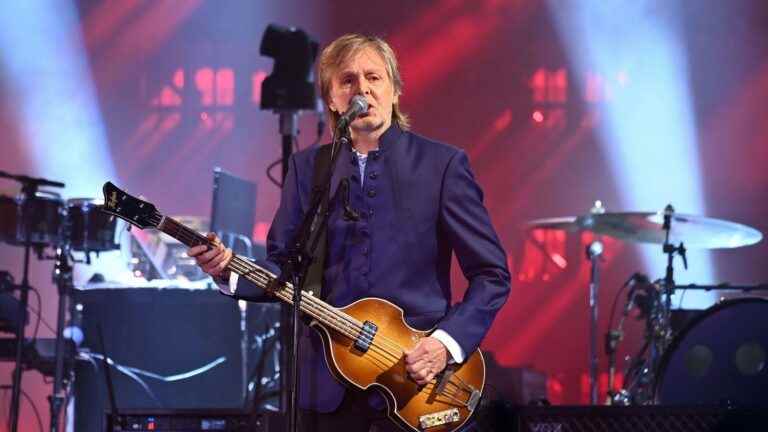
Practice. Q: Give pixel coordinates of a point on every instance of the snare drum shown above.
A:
(719, 357)
(90, 229)
(42, 215)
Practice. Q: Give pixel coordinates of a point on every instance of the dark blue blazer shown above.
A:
(418, 203)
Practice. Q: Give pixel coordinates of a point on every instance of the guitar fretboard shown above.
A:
(264, 279)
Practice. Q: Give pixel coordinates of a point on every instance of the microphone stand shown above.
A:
(288, 131)
(301, 254)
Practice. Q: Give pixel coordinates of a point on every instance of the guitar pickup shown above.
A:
(365, 338)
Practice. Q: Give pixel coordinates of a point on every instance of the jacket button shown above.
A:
(373, 176)
(371, 193)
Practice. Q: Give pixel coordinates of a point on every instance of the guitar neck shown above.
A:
(264, 279)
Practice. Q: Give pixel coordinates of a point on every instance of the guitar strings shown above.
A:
(348, 320)
(251, 272)
(320, 313)
(247, 268)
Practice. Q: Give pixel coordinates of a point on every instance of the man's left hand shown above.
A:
(427, 359)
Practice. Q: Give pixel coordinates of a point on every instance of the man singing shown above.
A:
(416, 202)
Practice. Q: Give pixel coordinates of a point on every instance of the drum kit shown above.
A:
(718, 357)
(40, 220)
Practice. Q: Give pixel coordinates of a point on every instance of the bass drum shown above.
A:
(719, 358)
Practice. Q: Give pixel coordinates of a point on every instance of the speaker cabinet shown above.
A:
(173, 349)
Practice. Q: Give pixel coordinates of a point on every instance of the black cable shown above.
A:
(320, 131)
(271, 166)
(616, 299)
(34, 408)
(682, 296)
(39, 315)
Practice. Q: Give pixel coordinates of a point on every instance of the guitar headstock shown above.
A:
(129, 208)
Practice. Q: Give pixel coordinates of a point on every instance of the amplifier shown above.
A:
(499, 416)
(176, 349)
(193, 421)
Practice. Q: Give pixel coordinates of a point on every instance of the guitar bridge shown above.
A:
(365, 338)
(439, 418)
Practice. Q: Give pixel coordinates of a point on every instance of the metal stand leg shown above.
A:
(63, 278)
(594, 250)
(243, 307)
(13, 417)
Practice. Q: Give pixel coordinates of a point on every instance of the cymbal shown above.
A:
(646, 227)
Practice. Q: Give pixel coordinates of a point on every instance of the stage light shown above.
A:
(46, 71)
(647, 127)
(291, 85)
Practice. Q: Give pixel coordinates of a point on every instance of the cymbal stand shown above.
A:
(62, 276)
(659, 320)
(594, 251)
(663, 330)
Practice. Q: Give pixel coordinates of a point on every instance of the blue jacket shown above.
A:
(418, 204)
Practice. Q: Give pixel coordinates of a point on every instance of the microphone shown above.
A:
(357, 106)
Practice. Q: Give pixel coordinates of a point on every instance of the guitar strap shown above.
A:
(314, 281)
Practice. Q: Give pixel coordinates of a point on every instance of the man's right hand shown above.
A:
(213, 260)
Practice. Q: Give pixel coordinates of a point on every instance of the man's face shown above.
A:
(365, 73)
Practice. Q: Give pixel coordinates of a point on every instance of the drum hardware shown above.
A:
(38, 219)
(659, 332)
(638, 378)
(643, 374)
(62, 277)
(698, 232)
(676, 233)
(88, 229)
(720, 357)
(594, 252)
(29, 190)
(614, 336)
